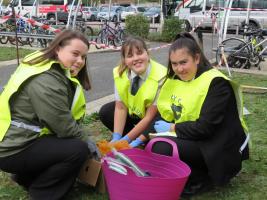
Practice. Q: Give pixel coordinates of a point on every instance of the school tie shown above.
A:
(135, 85)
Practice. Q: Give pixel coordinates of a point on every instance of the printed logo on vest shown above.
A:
(177, 107)
(135, 111)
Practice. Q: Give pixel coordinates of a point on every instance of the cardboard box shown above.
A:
(92, 175)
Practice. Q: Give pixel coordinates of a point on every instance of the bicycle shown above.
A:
(109, 35)
(85, 29)
(241, 53)
(21, 27)
(81, 26)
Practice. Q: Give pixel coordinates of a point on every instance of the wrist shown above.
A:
(172, 129)
(126, 137)
(116, 136)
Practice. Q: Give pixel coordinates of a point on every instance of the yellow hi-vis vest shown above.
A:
(147, 92)
(22, 73)
(182, 101)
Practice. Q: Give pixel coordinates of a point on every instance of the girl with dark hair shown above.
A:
(203, 110)
(137, 79)
(42, 142)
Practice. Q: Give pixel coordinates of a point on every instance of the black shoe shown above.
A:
(196, 188)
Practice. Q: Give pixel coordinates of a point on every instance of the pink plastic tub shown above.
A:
(167, 180)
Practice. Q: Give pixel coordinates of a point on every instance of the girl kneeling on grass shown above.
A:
(41, 139)
(137, 82)
(203, 108)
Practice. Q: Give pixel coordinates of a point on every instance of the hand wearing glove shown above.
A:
(116, 137)
(126, 138)
(162, 126)
(137, 142)
(93, 149)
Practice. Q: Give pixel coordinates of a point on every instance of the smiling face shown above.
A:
(136, 60)
(183, 64)
(72, 55)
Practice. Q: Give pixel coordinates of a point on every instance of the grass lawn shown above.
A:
(250, 184)
(10, 53)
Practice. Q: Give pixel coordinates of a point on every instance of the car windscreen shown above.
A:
(141, 9)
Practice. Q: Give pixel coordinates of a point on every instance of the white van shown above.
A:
(195, 12)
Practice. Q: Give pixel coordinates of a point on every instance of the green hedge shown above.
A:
(137, 25)
(172, 26)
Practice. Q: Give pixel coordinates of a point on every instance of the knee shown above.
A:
(102, 113)
(81, 150)
(84, 150)
(106, 111)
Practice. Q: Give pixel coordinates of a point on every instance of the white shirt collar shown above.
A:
(142, 76)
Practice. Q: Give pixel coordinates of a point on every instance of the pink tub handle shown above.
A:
(150, 144)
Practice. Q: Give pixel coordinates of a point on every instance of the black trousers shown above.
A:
(189, 153)
(106, 115)
(49, 167)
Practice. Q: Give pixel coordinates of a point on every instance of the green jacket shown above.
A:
(44, 100)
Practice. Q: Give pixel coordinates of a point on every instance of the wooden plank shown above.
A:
(254, 89)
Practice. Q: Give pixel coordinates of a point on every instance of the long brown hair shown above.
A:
(49, 53)
(129, 44)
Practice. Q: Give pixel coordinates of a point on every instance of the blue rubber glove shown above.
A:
(162, 126)
(116, 137)
(137, 142)
(126, 138)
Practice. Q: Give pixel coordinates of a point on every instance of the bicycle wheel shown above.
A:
(25, 41)
(118, 39)
(3, 39)
(12, 40)
(236, 53)
(42, 42)
(259, 39)
(107, 38)
(122, 35)
(88, 32)
(99, 39)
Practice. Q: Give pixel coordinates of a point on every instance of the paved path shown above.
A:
(95, 105)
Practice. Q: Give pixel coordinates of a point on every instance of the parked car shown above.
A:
(2, 10)
(100, 9)
(79, 11)
(62, 15)
(114, 15)
(90, 13)
(132, 10)
(153, 12)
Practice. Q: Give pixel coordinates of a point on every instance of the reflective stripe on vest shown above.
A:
(78, 104)
(182, 101)
(26, 126)
(22, 73)
(147, 92)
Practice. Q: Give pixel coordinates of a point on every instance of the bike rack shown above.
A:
(27, 35)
